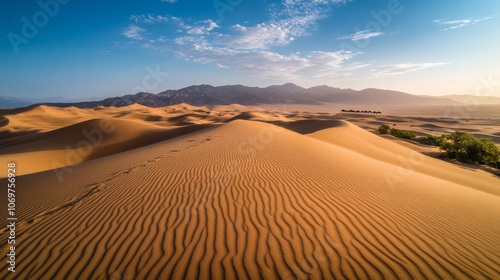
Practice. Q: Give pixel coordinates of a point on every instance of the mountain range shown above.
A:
(200, 95)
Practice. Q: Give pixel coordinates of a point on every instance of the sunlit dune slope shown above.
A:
(358, 140)
(85, 141)
(45, 118)
(253, 200)
(42, 137)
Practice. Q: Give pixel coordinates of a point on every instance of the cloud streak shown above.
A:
(361, 35)
(289, 20)
(257, 63)
(133, 32)
(151, 19)
(397, 69)
(261, 36)
(455, 24)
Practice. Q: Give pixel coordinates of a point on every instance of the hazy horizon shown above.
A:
(58, 99)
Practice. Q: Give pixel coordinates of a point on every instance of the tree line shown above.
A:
(361, 112)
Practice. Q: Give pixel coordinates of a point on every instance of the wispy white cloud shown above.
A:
(257, 63)
(361, 35)
(299, 8)
(151, 18)
(454, 24)
(344, 70)
(261, 36)
(133, 32)
(246, 48)
(201, 28)
(169, 1)
(290, 19)
(397, 69)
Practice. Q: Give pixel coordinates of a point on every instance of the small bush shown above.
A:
(459, 145)
(409, 135)
(402, 134)
(431, 140)
(384, 129)
(464, 147)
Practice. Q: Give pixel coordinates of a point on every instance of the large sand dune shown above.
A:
(44, 138)
(363, 142)
(85, 141)
(251, 200)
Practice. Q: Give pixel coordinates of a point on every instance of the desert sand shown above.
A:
(187, 192)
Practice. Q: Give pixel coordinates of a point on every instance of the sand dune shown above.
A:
(363, 142)
(251, 200)
(44, 118)
(85, 141)
(483, 128)
(265, 116)
(236, 107)
(43, 138)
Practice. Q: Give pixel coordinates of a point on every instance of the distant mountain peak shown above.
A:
(289, 93)
(287, 86)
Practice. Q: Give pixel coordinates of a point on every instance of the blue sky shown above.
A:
(80, 49)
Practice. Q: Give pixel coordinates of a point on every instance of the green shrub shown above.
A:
(459, 145)
(409, 135)
(464, 147)
(384, 129)
(402, 134)
(431, 140)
